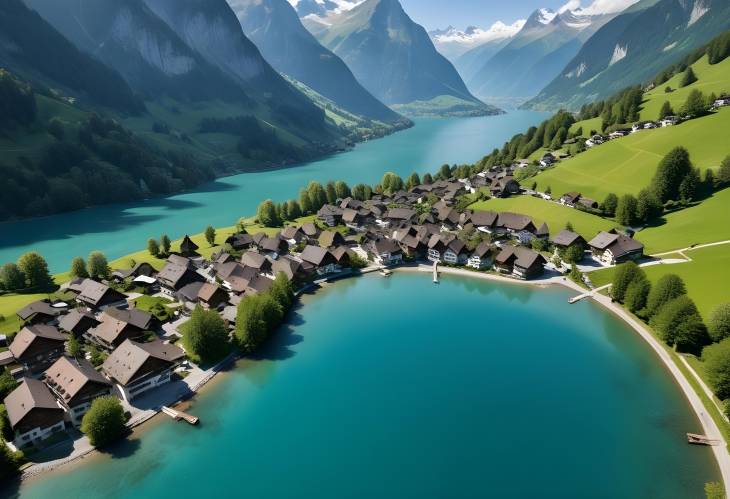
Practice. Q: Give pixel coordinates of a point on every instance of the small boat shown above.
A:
(693, 438)
(385, 272)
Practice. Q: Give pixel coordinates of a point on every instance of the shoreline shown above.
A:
(720, 452)
(722, 456)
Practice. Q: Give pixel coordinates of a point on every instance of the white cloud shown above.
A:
(571, 5)
(477, 36)
(605, 7)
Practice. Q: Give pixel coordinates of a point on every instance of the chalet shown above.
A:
(256, 261)
(288, 265)
(342, 255)
(330, 239)
(669, 121)
(212, 297)
(485, 221)
(612, 248)
(240, 242)
(387, 252)
(355, 219)
(565, 239)
(400, 215)
(514, 222)
(310, 230)
(273, 246)
(570, 199)
(330, 215)
(116, 328)
(188, 295)
(504, 187)
(456, 253)
(321, 258)
(547, 160)
(448, 217)
(188, 247)
(588, 203)
(173, 277)
(258, 284)
(139, 367)
(437, 246)
(77, 322)
(76, 384)
(521, 262)
(96, 295)
(482, 257)
(350, 203)
(33, 413)
(542, 232)
(235, 276)
(39, 312)
(722, 101)
(292, 235)
(221, 258)
(36, 347)
(140, 269)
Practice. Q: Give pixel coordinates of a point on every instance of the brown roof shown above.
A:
(310, 229)
(523, 257)
(31, 394)
(603, 240)
(94, 292)
(514, 221)
(69, 321)
(134, 316)
(69, 376)
(110, 329)
(330, 238)
(255, 260)
(484, 218)
(400, 213)
(207, 291)
(37, 307)
(566, 238)
(25, 338)
(124, 363)
(315, 255)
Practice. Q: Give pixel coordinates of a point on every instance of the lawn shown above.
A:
(627, 165)
(554, 214)
(705, 223)
(155, 305)
(706, 276)
(11, 303)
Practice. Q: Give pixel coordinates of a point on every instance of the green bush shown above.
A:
(105, 421)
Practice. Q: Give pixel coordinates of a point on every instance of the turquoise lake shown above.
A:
(399, 388)
(121, 229)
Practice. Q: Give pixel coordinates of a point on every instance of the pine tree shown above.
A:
(165, 244)
(153, 248)
(688, 77)
(78, 268)
(210, 235)
(665, 111)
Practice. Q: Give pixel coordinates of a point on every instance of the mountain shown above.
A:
(322, 8)
(275, 28)
(29, 46)
(453, 43)
(546, 42)
(394, 58)
(632, 48)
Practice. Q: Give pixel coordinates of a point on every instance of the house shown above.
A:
(595, 140)
(649, 125)
(140, 269)
(542, 232)
(240, 242)
(504, 187)
(521, 262)
(485, 221)
(547, 160)
(33, 413)
(570, 199)
(39, 312)
(330, 239)
(235, 276)
(96, 295)
(387, 252)
(321, 258)
(36, 347)
(448, 217)
(617, 134)
(273, 246)
(188, 247)
(400, 215)
(292, 235)
(174, 276)
(289, 266)
(482, 257)
(565, 239)
(77, 322)
(330, 215)
(256, 261)
(120, 326)
(456, 252)
(588, 203)
(722, 101)
(437, 245)
(342, 255)
(139, 367)
(612, 248)
(211, 296)
(188, 295)
(669, 121)
(310, 230)
(514, 222)
(76, 384)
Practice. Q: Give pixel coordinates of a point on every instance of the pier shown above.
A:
(695, 439)
(179, 415)
(436, 272)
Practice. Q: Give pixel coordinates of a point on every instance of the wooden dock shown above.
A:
(695, 439)
(578, 298)
(436, 272)
(180, 415)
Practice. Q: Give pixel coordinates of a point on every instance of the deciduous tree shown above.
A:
(625, 273)
(717, 366)
(11, 277)
(667, 288)
(205, 335)
(78, 268)
(626, 209)
(35, 269)
(152, 247)
(105, 421)
(98, 265)
(210, 235)
(266, 214)
(719, 324)
(165, 244)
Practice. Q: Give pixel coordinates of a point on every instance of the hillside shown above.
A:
(276, 30)
(632, 48)
(393, 57)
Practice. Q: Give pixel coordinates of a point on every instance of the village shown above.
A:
(135, 355)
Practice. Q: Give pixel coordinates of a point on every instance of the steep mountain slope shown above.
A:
(30, 46)
(632, 48)
(276, 30)
(393, 57)
(534, 55)
(453, 43)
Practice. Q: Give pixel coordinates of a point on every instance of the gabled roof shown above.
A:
(125, 362)
(31, 394)
(330, 238)
(483, 249)
(255, 260)
(94, 292)
(457, 246)
(37, 307)
(603, 240)
(543, 230)
(69, 321)
(566, 238)
(29, 334)
(133, 316)
(315, 254)
(514, 221)
(386, 246)
(310, 229)
(484, 218)
(69, 376)
(400, 213)
(208, 290)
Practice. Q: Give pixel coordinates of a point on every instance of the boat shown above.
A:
(385, 272)
(695, 439)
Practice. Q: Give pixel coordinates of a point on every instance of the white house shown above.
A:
(387, 252)
(481, 258)
(33, 413)
(669, 121)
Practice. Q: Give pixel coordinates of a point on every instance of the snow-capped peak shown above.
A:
(545, 16)
(596, 7)
(473, 35)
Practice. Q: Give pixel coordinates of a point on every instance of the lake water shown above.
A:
(121, 229)
(399, 388)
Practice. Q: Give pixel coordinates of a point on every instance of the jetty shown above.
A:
(436, 272)
(578, 298)
(180, 415)
(695, 439)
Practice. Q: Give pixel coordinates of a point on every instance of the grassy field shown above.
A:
(705, 223)
(555, 215)
(710, 79)
(627, 165)
(706, 276)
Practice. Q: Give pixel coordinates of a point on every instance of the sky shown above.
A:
(433, 14)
